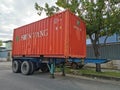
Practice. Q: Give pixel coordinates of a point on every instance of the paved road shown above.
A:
(5, 65)
(41, 81)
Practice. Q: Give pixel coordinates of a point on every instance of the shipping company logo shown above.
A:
(38, 34)
(78, 22)
(17, 38)
(76, 27)
(56, 20)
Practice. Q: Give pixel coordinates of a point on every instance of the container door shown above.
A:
(77, 37)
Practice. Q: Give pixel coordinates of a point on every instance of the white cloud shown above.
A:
(16, 13)
(4, 8)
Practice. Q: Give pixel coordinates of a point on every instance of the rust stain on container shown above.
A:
(62, 35)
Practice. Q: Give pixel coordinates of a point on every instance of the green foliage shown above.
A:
(101, 16)
(38, 8)
(0, 42)
(72, 5)
(49, 10)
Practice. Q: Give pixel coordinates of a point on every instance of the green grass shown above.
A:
(93, 72)
(90, 72)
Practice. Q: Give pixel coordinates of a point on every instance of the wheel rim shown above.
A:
(16, 66)
(25, 68)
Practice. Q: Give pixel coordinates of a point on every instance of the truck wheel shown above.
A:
(44, 68)
(32, 67)
(26, 68)
(16, 66)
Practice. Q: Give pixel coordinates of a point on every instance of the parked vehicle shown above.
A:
(47, 42)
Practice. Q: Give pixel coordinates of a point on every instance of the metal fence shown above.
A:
(109, 51)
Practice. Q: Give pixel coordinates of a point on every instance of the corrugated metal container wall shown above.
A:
(61, 35)
(77, 36)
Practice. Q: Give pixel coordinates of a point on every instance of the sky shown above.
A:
(16, 13)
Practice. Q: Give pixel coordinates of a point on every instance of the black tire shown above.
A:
(32, 67)
(26, 68)
(16, 66)
(44, 68)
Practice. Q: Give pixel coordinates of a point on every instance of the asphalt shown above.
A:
(5, 65)
(42, 81)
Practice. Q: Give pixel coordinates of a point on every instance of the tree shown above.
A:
(49, 10)
(101, 17)
(0, 42)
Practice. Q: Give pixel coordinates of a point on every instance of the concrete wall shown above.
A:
(8, 45)
(5, 56)
(6, 52)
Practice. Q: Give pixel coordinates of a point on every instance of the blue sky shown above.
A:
(15, 13)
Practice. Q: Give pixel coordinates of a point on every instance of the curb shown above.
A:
(91, 77)
(102, 77)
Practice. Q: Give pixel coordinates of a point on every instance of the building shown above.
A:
(8, 45)
(6, 52)
(111, 39)
(3, 54)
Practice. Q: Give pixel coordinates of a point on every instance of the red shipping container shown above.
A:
(62, 35)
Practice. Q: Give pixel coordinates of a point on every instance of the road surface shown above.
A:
(42, 81)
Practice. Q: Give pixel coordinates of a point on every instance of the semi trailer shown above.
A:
(48, 42)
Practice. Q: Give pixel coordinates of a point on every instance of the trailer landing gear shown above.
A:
(63, 68)
(51, 67)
